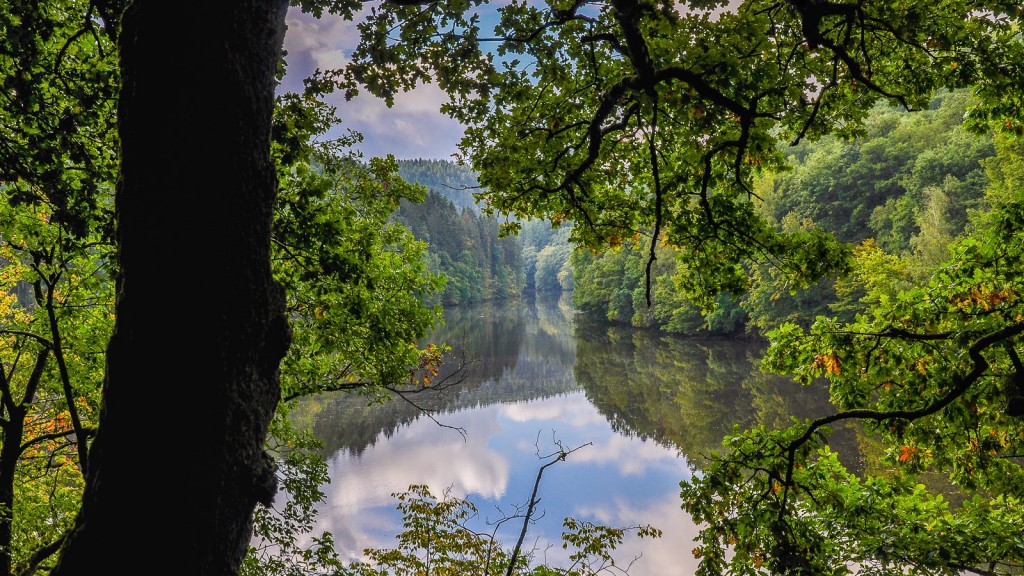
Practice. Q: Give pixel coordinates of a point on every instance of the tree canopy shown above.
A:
(632, 117)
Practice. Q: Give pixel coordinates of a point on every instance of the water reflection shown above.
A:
(647, 403)
(690, 393)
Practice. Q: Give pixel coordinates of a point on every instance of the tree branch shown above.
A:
(958, 390)
(559, 456)
(41, 554)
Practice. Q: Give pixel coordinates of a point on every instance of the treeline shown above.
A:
(899, 194)
(463, 245)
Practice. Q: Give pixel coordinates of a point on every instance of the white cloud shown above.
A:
(313, 43)
(630, 455)
(412, 128)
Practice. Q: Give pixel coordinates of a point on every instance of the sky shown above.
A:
(412, 129)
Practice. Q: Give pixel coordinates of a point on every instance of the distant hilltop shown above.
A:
(454, 182)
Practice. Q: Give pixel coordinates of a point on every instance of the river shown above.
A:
(646, 408)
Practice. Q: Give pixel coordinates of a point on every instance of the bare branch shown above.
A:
(559, 456)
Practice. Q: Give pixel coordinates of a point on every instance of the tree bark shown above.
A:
(191, 384)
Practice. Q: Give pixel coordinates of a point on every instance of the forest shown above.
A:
(185, 254)
(900, 194)
(462, 244)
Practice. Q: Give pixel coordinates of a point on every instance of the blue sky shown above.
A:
(413, 128)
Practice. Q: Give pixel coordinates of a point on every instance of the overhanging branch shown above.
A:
(961, 386)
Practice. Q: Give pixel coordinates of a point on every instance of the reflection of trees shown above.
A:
(512, 352)
(777, 399)
(489, 335)
(689, 393)
(551, 336)
(685, 393)
(681, 392)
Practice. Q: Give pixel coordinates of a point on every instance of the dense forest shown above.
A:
(463, 244)
(900, 193)
(546, 255)
(455, 182)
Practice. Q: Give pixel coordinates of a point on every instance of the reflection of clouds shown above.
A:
(573, 410)
(630, 455)
(670, 554)
(574, 420)
(421, 453)
(619, 481)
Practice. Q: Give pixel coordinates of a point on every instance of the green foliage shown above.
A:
(774, 298)
(438, 538)
(56, 313)
(435, 540)
(57, 166)
(59, 76)
(631, 118)
(613, 285)
(875, 184)
(916, 162)
(935, 371)
(874, 281)
(464, 247)
(553, 269)
(546, 256)
(301, 472)
(1005, 170)
(626, 116)
(335, 252)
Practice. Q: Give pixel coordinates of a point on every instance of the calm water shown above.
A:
(652, 407)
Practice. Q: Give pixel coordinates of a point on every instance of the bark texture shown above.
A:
(177, 466)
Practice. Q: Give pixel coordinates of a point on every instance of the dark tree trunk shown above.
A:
(177, 466)
(10, 450)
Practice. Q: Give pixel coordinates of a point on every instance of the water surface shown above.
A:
(647, 409)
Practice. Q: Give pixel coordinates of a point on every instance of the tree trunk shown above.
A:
(11, 434)
(177, 466)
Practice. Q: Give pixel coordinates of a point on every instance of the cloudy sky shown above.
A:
(413, 128)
